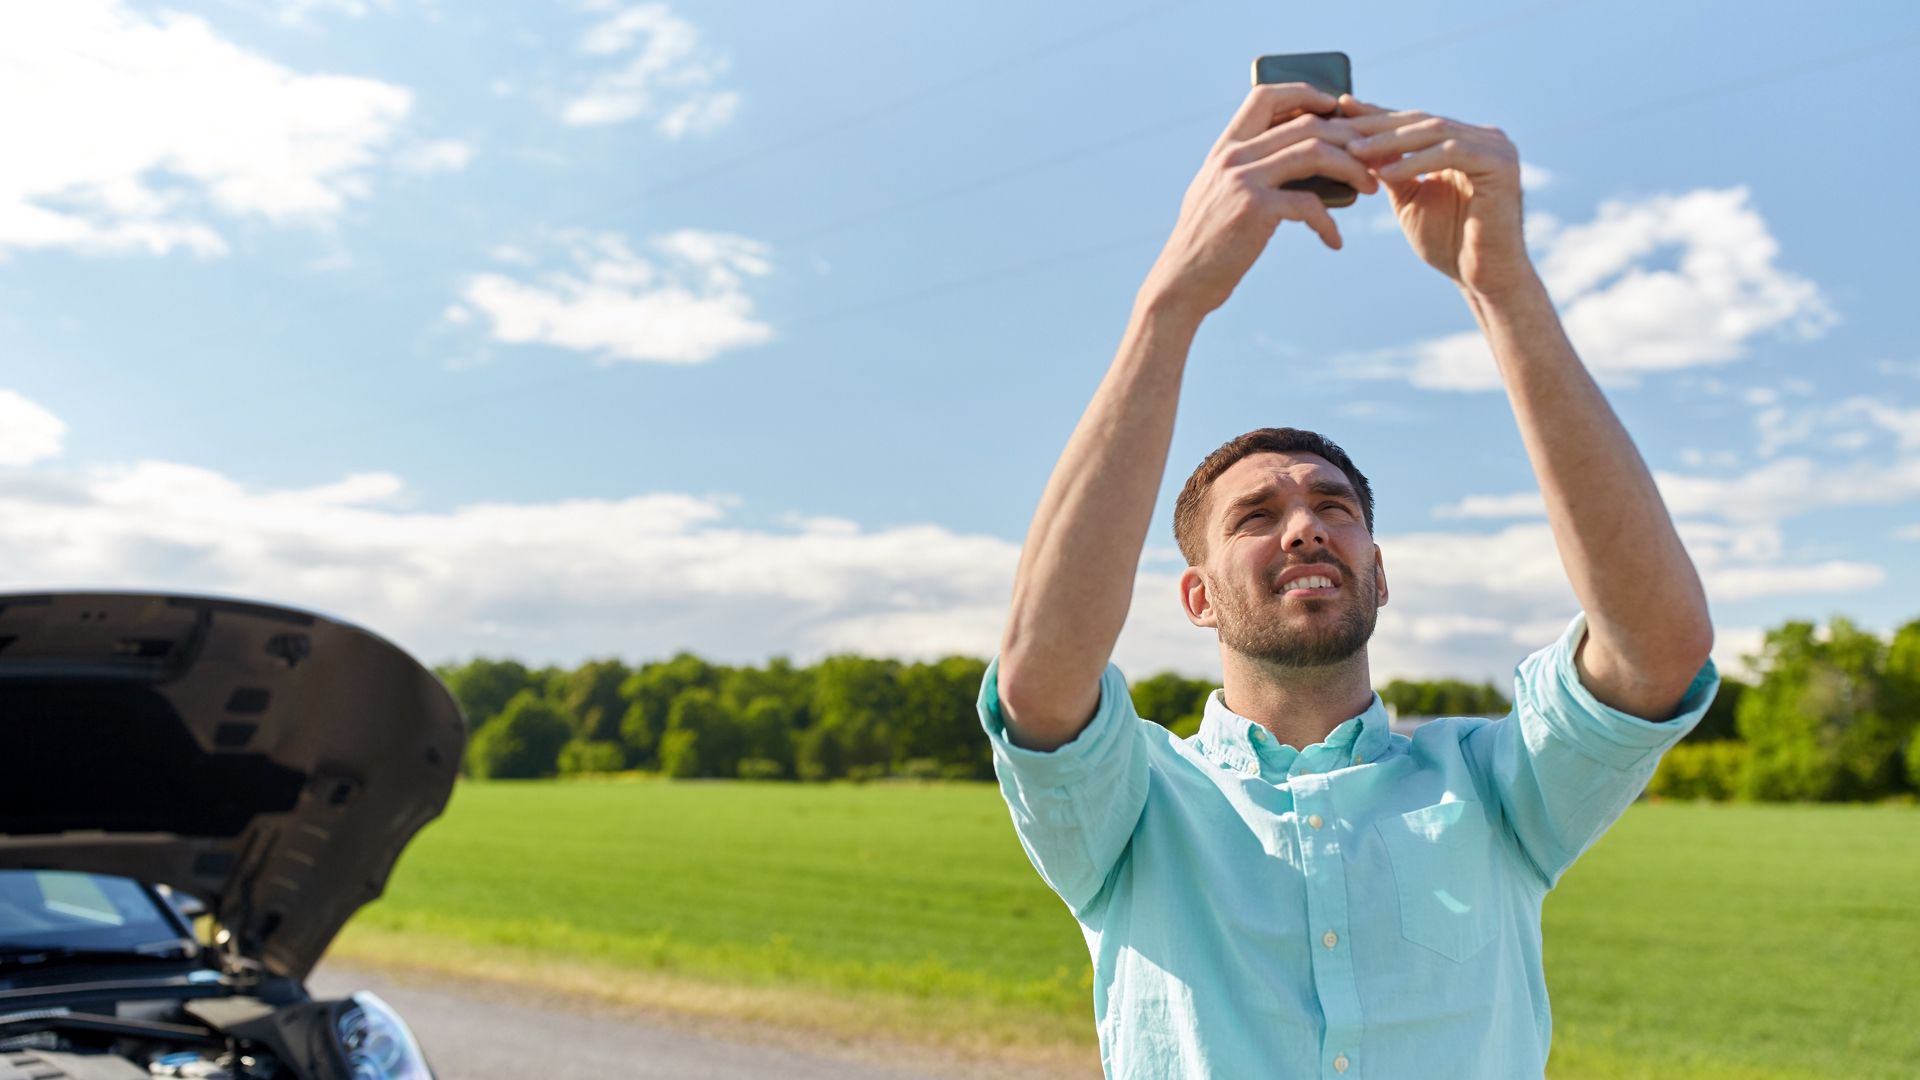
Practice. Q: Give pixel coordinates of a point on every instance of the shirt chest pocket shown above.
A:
(1442, 859)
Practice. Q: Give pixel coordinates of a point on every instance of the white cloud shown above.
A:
(28, 432)
(1536, 177)
(440, 155)
(668, 73)
(1765, 495)
(303, 12)
(1746, 583)
(685, 308)
(1910, 532)
(1732, 646)
(701, 115)
(644, 575)
(1518, 504)
(122, 130)
(1695, 458)
(650, 574)
(1788, 487)
(1629, 316)
(1903, 424)
(1781, 427)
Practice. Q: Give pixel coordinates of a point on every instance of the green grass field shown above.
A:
(1695, 940)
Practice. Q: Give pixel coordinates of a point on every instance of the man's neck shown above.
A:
(1298, 706)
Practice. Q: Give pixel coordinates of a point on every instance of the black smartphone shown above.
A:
(1329, 71)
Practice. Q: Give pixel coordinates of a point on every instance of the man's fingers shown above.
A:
(1305, 207)
(1353, 106)
(1417, 135)
(1449, 154)
(1312, 157)
(1375, 123)
(1272, 103)
(1299, 129)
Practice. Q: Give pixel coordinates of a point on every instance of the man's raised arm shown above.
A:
(1648, 632)
(1075, 581)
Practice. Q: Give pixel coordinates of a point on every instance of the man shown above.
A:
(1296, 891)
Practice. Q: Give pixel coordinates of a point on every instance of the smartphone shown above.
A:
(1329, 71)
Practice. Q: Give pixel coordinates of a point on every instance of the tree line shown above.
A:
(1834, 714)
(844, 717)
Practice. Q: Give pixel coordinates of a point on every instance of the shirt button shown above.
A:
(1340, 1063)
(1359, 759)
(1329, 939)
(1314, 820)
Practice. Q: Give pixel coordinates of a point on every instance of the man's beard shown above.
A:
(1260, 635)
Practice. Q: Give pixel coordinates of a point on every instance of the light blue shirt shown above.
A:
(1366, 907)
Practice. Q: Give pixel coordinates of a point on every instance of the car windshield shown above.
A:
(52, 909)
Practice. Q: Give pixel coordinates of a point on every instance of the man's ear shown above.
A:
(1379, 577)
(1194, 599)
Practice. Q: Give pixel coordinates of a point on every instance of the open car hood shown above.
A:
(269, 761)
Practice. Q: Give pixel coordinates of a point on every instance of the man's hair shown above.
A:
(1190, 531)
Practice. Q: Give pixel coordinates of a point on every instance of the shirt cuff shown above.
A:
(1551, 682)
(1103, 737)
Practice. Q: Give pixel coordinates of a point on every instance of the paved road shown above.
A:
(482, 1032)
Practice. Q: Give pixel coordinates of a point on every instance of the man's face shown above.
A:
(1291, 575)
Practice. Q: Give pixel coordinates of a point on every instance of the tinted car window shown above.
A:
(90, 911)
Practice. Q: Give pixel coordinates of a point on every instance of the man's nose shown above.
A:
(1304, 531)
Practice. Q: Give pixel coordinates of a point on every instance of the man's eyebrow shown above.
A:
(1246, 502)
(1321, 485)
(1326, 486)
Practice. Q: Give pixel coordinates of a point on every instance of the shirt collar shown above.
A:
(1232, 740)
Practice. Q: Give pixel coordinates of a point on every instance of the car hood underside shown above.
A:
(269, 761)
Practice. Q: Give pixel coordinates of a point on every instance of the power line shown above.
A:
(1023, 267)
(522, 390)
(1721, 89)
(847, 121)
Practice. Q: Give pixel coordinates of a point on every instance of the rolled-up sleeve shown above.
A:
(1075, 807)
(1564, 765)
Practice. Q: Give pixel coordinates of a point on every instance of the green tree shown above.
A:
(718, 742)
(589, 696)
(1444, 697)
(767, 728)
(819, 756)
(680, 754)
(1817, 722)
(524, 742)
(1719, 723)
(483, 687)
(778, 680)
(1701, 770)
(857, 699)
(1903, 686)
(1173, 701)
(939, 718)
(649, 694)
(591, 756)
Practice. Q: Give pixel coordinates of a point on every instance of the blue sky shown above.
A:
(564, 330)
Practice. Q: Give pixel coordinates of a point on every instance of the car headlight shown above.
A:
(376, 1042)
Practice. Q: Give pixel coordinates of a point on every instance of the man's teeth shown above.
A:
(1315, 582)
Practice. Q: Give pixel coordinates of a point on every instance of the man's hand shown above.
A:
(1286, 131)
(1464, 218)
(1648, 630)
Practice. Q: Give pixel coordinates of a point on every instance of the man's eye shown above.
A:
(1250, 518)
(1335, 506)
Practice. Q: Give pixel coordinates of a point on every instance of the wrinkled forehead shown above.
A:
(1271, 469)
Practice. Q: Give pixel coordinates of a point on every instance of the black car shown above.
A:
(176, 763)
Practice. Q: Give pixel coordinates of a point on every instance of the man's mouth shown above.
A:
(1312, 585)
(1306, 582)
